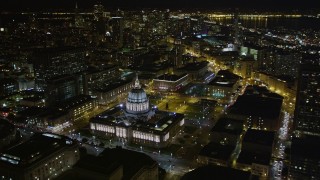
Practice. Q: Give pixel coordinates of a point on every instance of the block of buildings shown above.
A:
(44, 156)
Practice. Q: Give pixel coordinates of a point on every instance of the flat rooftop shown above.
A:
(170, 77)
(160, 122)
(228, 125)
(306, 147)
(194, 66)
(131, 161)
(257, 106)
(259, 137)
(224, 78)
(38, 147)
(210, 172)
(73, 102)
(260, 91)
(217, 151)
(6, 128)
(113, 85)
(246, 157)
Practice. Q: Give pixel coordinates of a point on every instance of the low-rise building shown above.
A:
(116, 163)
(258, 108)
(137, 122)
(256, 152)
(195, 70)
(227, 131)
(109, 92)
(211, 172)
(78, 107)
(223, 84)
(44, 156)
(216, 154)
(170, 82)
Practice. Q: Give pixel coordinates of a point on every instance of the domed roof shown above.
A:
(137, 94)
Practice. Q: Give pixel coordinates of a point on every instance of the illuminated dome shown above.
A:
(137, 102)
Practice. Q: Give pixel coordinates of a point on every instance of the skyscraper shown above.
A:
(117, 26)
(304, 159)
(307, 112)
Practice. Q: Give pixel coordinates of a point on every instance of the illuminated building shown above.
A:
(53, 155)
(304, 158)
(8, 86)
(170, 82)
(307, 111)
(277, 85)
(78, 107)
(245, 67)
(137, 122)
(117, 26)
(50, 63)
(109, 92)
(304, 155)
(63, 87)
(95, 78)
(177, 53)
(258, 108)
(98, 11)
(223, 84)
(137, 101)
(256, 151)
(195, 70)
(78, 19)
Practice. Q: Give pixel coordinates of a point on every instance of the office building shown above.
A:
(44, 156)
(307, 112)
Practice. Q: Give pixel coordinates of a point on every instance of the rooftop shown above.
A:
(132, 161)
(160, 122)
(228, 125)
(306, 147)
(246, 157)
(210, 172)
(224, 78)
(257, 106)
(194, 66)
(38, 147)
(74, 102)
(6, 128)
(113, 85)
(99, 164)
(259, 137)
(217, 151)
(170, 77)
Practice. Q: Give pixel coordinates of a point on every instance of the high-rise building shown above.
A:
(307, 111)
(52, 62)
(97, 11)
(117, 26)
(78, 19)
(304, 159)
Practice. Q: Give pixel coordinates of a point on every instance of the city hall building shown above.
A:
(137, 121)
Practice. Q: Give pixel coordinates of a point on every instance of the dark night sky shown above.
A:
(208, 4)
